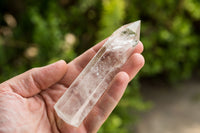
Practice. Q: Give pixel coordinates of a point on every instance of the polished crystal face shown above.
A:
(88, 87)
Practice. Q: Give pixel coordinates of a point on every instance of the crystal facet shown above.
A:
(87, 88)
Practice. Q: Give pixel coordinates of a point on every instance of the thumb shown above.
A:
(35, 80)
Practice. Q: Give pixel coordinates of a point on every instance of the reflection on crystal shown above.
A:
(84, 92)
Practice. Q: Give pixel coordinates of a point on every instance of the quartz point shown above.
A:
(79, 99)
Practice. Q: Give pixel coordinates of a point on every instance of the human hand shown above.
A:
(27, 100)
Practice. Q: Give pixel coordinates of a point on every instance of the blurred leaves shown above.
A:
(114, 8)
(192, 6)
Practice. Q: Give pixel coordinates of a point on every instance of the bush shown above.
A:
(38, 33)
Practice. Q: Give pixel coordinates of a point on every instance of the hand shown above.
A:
(27, 100)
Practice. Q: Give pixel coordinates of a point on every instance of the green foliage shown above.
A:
(112, 16)
(170, 38)
(112, 125)
(38, 39)
(192, 6)
(36, 33)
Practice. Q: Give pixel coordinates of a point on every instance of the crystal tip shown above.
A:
(135, 27)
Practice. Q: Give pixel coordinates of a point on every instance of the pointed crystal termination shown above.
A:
(88, 87)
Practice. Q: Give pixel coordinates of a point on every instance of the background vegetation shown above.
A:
(36, 33)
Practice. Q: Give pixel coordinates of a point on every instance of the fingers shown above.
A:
(33, 81)
(107, 103)
(77, 65)
(139, 48)
(133, 65)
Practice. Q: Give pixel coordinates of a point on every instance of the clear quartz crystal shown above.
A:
(88, 87)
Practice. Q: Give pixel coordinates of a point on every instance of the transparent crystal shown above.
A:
(87, 88)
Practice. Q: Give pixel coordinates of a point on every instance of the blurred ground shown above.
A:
(176, 109)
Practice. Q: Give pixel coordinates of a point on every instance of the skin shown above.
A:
(27, 100)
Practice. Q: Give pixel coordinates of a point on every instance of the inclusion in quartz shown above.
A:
(79, 99)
